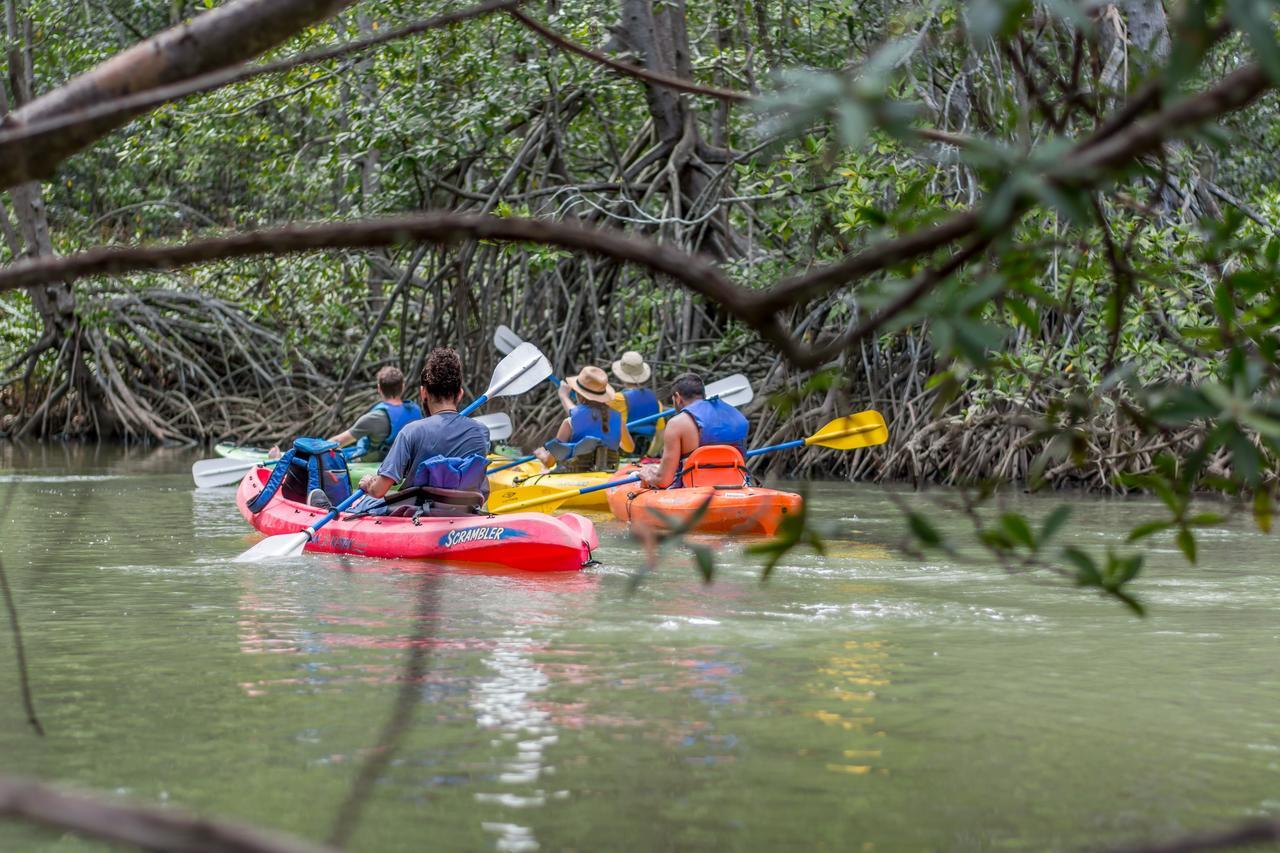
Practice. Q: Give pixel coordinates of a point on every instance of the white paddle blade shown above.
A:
(505, 340)
(209, 473)
(498, 425)
(275, 547)
(734, 390)
(523, 369)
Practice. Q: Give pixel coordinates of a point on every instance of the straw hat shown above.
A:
(631, 368)
(592, 383)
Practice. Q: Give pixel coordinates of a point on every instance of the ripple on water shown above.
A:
(63, 478)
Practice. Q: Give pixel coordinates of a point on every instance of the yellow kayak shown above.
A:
(533, 473)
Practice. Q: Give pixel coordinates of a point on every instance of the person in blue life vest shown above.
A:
(594, 412)
(378, 427)
(699, 421)
(444, 450)
(632, 371)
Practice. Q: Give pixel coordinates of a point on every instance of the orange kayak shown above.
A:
(731, 506)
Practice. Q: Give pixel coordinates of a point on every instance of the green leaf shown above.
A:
(1087, 573)
(1017, 529)
(1128, 601)
(1262, 511)
(923, 530)
(1254, 18)
(1187, 543)
(1142, 531)
(1053, 522)
(1121, 570)
(1025, 315)
(703, 560)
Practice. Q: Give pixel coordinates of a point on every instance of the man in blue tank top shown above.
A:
(379, 426)
(633, 373)
(443, 433)
(700, 421)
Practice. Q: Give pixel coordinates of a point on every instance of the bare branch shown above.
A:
(146, 827)
(224, 36)
(442, 228)
(676, 83)
(1246, 835)
(19, 647)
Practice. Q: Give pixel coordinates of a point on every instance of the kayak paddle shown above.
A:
(864, 429)
(559, 450)
(505, 340)
(291, 544)
(848, 433)
(209, 473)
(734, 390)
(522, 369)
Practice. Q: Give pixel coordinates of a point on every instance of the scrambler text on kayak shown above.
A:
(477, 534)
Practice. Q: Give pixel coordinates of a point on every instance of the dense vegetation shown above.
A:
(1016, 230)
(1039, 237)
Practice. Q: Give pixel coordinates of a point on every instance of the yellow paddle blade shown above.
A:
(521, 498)
(864, 429)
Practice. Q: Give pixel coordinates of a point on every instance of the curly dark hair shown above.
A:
(442, 374)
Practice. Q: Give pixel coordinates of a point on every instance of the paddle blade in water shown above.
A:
(523, 369)
(275, 547)
(498, 425)
(864, 429)
(521, 498)
(734, 390)
(220, 472)
(505, 340)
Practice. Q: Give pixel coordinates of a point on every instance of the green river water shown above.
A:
(858, 701)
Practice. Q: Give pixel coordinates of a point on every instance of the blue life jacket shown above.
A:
(312, 463)
(586, 422)
(641, 403)
(461, 473)
(718, 423)
(400, 417)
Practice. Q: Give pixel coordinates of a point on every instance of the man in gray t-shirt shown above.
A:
(443, 432)
(383, 422)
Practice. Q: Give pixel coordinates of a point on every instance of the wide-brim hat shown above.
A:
(632, 368)
(592, 383)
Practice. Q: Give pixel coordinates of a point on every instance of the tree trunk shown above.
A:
(657, 35)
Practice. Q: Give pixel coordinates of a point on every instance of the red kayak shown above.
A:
(531, 541)
(716, 496)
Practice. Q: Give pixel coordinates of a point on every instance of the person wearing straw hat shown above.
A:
(593, 408)
(633, 373)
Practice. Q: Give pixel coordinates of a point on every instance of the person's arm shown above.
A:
(376, 425)
(376, 485)
(628, 444)
(681, 433)
(563, 435)
(392, 470)
(563, 393)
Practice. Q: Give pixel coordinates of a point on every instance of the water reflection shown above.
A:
(850, 688)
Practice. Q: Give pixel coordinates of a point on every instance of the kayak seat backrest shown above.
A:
(715, 465)
(437, 503)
